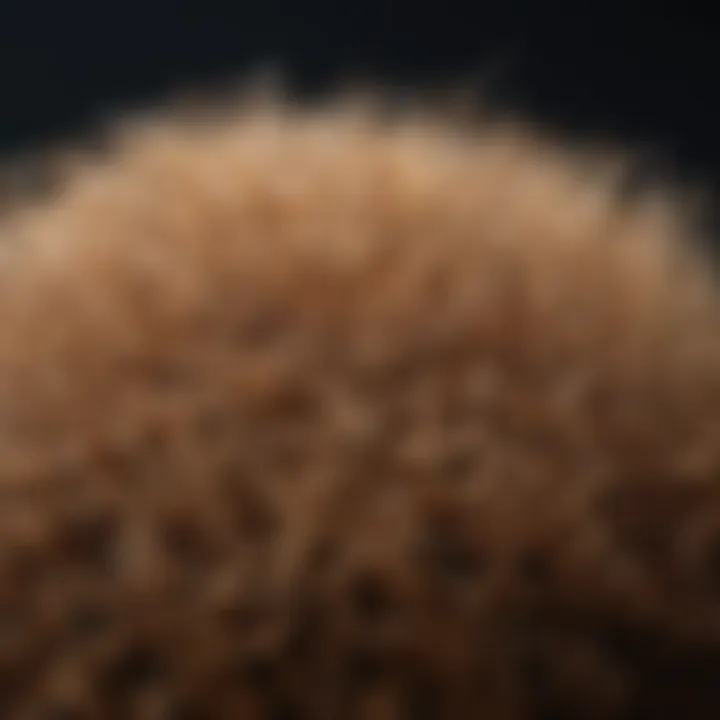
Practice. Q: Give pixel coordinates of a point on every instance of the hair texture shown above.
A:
(328, 414)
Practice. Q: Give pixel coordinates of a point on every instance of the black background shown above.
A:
(645, 75)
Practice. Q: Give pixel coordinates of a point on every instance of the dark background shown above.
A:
(618, 70)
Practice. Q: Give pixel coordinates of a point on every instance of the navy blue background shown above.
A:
(615, 69)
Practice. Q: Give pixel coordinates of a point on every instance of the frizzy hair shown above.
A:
(330, 414)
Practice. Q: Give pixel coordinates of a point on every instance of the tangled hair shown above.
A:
(329, 415)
